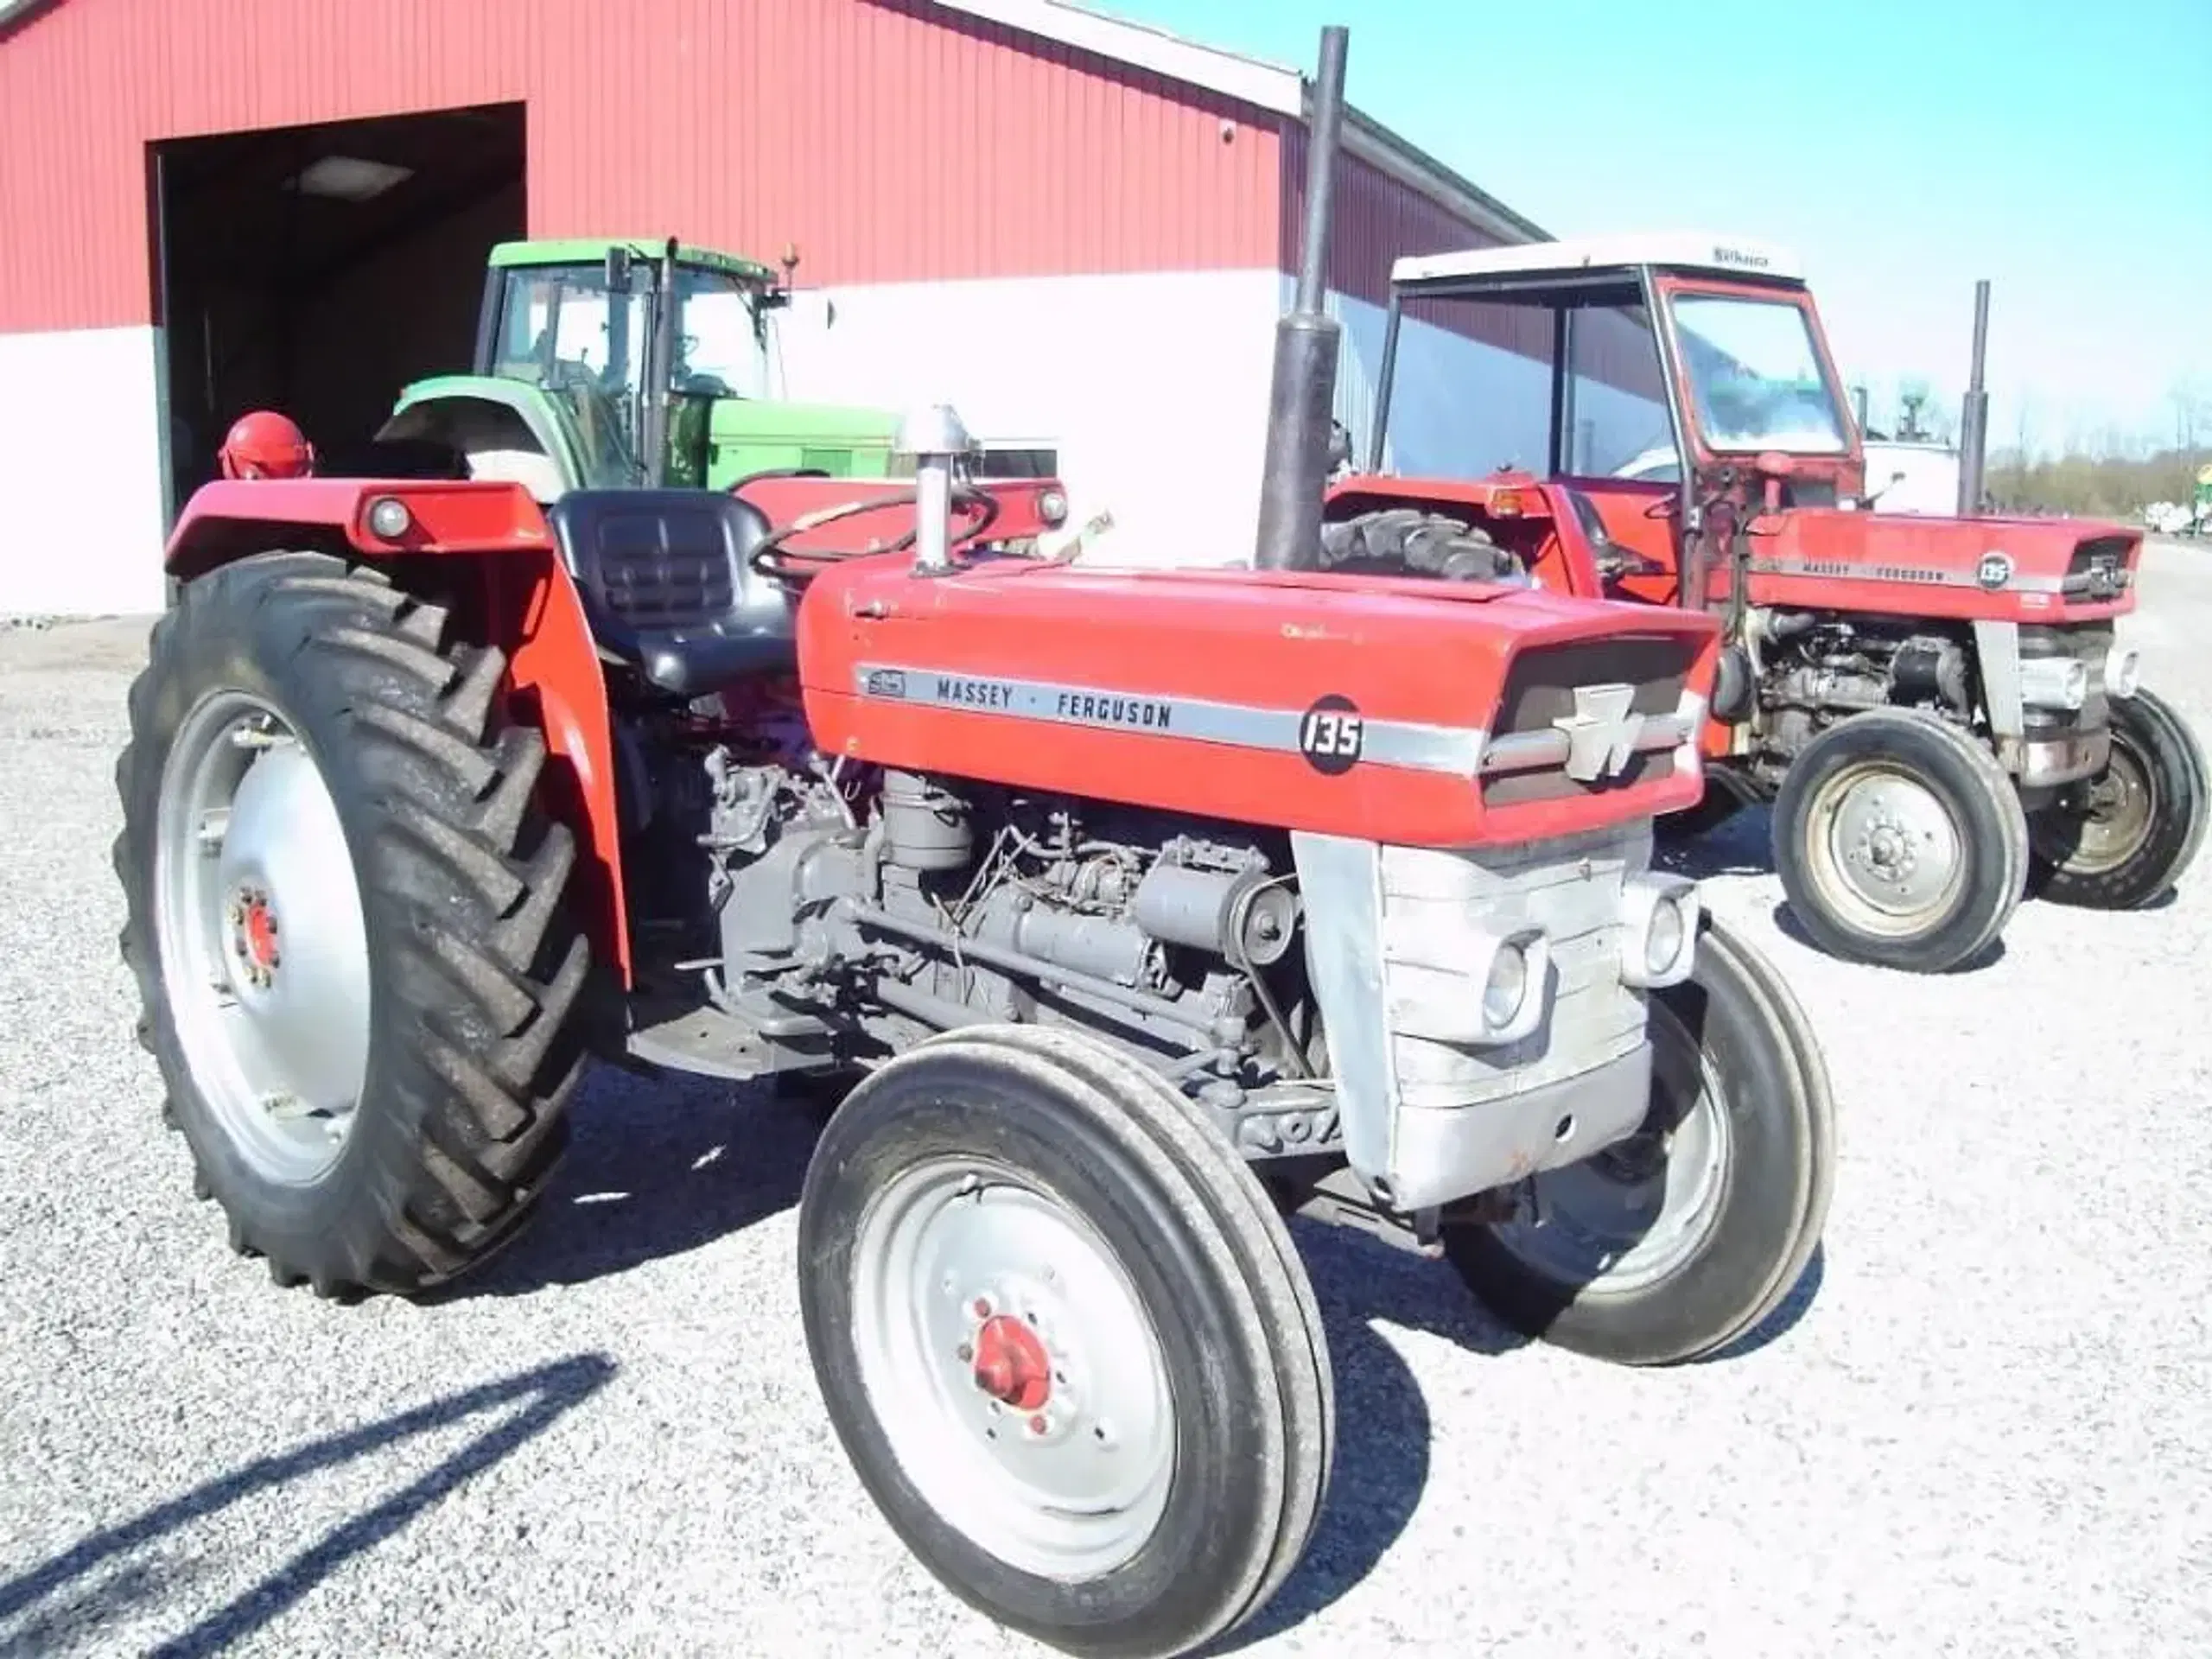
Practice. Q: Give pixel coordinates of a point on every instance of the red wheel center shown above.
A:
(1011, 1364)
(258, 932)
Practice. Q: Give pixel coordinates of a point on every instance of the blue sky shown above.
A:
(2064, 151)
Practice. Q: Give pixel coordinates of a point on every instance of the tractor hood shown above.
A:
(2026, 568)
(746, 435)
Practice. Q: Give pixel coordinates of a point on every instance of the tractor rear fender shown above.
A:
(476, 414)
(484, 549)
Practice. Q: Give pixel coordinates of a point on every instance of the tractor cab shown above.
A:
(617, 364)
(1681, 373)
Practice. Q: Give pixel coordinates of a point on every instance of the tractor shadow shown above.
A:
(1384, 1426)
(657, 1167)
(134, 1568)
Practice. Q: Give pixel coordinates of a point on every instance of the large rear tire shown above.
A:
(349, 924)
(1900, 842)
(2120, 840)
(1063, 1339)
(1671, 1245)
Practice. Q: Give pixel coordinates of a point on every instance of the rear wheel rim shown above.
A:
(1013, 1368)
(1638, 1211)
(263, 943)
(1884, 851)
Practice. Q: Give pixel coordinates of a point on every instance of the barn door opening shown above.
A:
(318, 270)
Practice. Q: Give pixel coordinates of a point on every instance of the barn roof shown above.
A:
(1274, 86)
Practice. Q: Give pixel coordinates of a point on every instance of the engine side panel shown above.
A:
(1341, 706)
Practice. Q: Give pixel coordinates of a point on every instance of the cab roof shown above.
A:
(591, 251)
(1598, 255)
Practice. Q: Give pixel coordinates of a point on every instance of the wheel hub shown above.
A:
(252, 921)
(1011, 1364)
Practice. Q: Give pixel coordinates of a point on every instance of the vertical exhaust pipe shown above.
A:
(1974, 420)
(1301, 400)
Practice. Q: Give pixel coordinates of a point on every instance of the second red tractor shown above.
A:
(1938, 709)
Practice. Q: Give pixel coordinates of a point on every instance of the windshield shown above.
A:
(1755, 378)
(562, 329)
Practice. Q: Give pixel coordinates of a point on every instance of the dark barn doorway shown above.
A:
(318, 270)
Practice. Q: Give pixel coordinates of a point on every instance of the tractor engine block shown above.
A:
(1816, 669)
(885, 908)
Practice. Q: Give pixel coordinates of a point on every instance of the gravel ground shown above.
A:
(1981, 1428)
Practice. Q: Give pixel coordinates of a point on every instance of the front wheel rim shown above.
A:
(1884, 851)
(2112, 822)
(1012, 1369)
(1638, 1211)
(262, 939)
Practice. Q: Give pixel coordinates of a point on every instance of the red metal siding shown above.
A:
(889, 140)
(1379, 220)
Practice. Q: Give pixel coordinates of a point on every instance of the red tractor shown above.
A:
(1147, 908)
(1936, 709)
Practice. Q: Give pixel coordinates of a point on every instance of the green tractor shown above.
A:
(574, 341)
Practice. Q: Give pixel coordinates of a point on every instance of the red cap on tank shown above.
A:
(264, 444)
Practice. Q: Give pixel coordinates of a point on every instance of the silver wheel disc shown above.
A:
(2113, 819)
(1883, 850)
(264, 954)
(1013, 1368)
(1635, 1213)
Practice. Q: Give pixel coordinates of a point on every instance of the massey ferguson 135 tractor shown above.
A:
(1150, 907)
(1938, 708)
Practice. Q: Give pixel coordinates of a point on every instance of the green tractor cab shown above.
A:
(610, 364)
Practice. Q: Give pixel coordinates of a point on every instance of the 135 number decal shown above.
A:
(1330, 734)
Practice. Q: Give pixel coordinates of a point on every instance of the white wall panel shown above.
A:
(80, 473)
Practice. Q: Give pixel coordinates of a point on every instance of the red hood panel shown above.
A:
(1344, 705)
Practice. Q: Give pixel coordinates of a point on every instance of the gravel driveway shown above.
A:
(1986, 1428)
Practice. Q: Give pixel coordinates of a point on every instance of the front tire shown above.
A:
(1076, 1373)
(1900, 842)
(1669, 1245)
(2122, 839)
(349, 924)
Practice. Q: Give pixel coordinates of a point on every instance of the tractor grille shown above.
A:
(2098, 568)
(1529, 752)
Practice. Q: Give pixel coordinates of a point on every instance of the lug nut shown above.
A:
(1038, 1425)
(967, 1353)
(982, 1307)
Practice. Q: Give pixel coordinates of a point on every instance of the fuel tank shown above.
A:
(1416, 712)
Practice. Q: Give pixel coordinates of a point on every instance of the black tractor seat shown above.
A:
(668, 584)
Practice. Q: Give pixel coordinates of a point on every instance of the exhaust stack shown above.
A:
(1974, 420)
(1301, 400)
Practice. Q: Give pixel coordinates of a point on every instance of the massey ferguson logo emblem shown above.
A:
(1994, 570)
(884, 683)
(1601, 733)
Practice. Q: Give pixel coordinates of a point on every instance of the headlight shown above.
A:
(1506, 989)
(2123, 672)
(389, 518)
(1514, 987)
(1053, 507)
(2054, 682)
(1659, 922)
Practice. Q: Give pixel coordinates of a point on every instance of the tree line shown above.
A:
(2091, 486)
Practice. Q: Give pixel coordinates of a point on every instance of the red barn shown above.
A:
(1078, 230)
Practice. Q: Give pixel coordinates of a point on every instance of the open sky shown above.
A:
(1903, 148)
